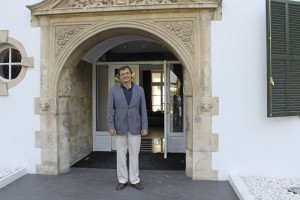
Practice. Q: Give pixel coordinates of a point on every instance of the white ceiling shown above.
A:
(123, 44)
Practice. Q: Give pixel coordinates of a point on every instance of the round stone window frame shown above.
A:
(7, 42)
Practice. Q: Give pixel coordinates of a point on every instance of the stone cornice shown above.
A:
(55, 7)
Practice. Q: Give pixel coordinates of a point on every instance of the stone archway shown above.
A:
(67, 37)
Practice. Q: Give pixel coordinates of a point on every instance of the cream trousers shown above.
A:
(130, 143)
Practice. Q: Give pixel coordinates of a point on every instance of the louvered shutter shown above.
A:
(283, 22)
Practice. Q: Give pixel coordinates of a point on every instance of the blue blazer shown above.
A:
(126, 118)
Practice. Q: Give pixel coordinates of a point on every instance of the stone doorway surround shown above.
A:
(69, 28)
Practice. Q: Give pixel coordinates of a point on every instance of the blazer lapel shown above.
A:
(135, 96)
(121, 94)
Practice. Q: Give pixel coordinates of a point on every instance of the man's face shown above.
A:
(125, 76)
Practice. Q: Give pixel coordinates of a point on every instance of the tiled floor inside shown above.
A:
(98, 184)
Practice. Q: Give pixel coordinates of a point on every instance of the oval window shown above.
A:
(10, 64)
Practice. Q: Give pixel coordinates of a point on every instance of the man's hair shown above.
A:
(123, 68)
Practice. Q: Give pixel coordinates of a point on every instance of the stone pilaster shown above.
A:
(47, 137)
(45, 57)
(204, 141)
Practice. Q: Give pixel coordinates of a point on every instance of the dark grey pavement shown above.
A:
(98, 184)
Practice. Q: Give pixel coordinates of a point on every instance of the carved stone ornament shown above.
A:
(183, 30)
(44, 104)
(187, 86)
(66, 85)
(109, 3)
(206, 104)
(65, 33)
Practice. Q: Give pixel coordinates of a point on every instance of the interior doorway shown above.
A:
(163, 85)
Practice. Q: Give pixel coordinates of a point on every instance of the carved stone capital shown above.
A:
(210, 104)
(44, 104)
(206, 104)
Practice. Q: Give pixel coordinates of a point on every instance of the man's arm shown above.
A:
(144, 116)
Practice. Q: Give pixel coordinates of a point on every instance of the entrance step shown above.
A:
(154, 145)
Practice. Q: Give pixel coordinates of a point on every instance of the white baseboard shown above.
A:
(240, 187)
(12, 177)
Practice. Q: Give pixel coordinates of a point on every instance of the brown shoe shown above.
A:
(138, 186)
(120, 186)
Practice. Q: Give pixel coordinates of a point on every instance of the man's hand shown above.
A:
(112, 132)
(144, 132)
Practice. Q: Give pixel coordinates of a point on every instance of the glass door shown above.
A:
(175, 139)
(101, 138)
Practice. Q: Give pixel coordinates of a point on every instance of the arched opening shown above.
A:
(70, 30)
(82, 102)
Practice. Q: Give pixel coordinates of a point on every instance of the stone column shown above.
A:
(204, 142)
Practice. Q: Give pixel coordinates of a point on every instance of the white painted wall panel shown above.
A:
(249, 142)
(18, 122)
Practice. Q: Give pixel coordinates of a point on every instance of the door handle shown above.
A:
(271, 81)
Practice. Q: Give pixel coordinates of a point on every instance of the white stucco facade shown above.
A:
(18, 120)
(249, 142)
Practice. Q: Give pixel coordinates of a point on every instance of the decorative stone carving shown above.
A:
(206, 104)
(108, 3)
(187, 86)
(65, 33)
(66, 85)
(44, 104)
(183, 30)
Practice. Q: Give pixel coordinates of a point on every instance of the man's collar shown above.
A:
(131, 85)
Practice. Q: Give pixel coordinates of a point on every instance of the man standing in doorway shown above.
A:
(127, 121)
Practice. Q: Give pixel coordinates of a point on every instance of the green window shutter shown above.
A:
(283, 46)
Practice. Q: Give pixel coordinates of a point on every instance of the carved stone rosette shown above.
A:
(65, 33)
(183, 30)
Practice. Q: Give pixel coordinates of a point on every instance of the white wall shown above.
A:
(250, 143)
(18, 122)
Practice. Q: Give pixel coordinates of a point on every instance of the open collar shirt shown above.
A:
(128, 92)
